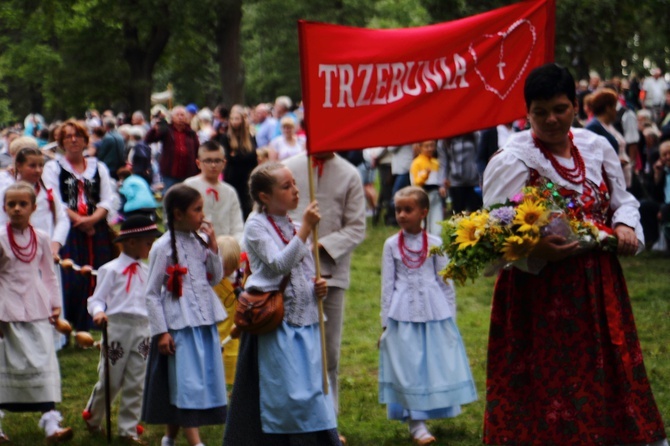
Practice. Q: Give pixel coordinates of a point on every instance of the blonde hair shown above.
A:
(22, 142)
(239, 139)
(415, 192)
(262, 180)
(22, 186)
(230, 252)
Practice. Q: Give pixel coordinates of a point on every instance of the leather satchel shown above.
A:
(259, 312)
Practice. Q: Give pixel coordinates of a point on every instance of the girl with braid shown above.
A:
(185, 384)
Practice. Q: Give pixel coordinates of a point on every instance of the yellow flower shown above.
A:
(467, 233)
(531, 217)
(515, 247)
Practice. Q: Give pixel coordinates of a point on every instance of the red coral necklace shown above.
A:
(27, 253)
(279, 231)
(413, 259)
(575, 175)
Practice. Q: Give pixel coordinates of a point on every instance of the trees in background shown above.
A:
(60, 57)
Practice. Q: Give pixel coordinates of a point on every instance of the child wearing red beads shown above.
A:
(31, 303)
(119, 302)
(424, 372)
(185, 385)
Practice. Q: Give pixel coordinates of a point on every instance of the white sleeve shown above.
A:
(388, 281)
(154, 291)
(50, 177)
(623, 203)
(279, 261)
(235, 222)
(103, 289)
(107, 194)
(62, 226)
(630, 131)
(505, 176)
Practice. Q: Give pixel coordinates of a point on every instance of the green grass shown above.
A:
(362, 418)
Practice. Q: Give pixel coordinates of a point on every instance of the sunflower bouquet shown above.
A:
(495, 237)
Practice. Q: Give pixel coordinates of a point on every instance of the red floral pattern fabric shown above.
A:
(556, 375)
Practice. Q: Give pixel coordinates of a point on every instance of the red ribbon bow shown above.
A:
(50, 195)
(175, 273)
(130, 271)
(213, 191)
(318, 163)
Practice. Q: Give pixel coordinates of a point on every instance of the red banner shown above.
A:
(365, 88)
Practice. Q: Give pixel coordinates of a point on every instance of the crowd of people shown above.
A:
(231, 187)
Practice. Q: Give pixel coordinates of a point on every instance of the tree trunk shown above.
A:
(141, 59)
(229, 53)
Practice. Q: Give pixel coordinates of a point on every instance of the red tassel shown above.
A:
(86, 415)
(140, 430)
(175, 273)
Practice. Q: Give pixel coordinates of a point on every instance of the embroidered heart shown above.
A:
(496, 79)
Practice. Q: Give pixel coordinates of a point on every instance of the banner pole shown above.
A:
(317, 267)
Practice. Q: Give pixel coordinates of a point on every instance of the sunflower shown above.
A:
(467, 233)
(515, 247)
(531, 217)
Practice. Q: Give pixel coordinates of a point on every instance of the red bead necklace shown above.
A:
(27, 253)
(413, 259)
(279, 231)
(575, 175)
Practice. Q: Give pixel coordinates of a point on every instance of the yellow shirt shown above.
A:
(424, 168)
(226, 293)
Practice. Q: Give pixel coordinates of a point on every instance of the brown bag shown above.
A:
(259, 312)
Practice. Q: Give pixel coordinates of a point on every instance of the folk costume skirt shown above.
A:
(424, 372)
(254, 413)
(29, 371)
(94, 250)
(187, 389)
(564, 360)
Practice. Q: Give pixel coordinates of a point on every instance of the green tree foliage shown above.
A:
(59, 57)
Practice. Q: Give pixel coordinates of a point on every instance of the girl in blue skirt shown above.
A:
(423, 369)
(278, 397)
(185, 383)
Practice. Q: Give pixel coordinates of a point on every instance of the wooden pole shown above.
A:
(317, 267)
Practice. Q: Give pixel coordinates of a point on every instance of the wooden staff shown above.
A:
(108, 400)
(317, 267)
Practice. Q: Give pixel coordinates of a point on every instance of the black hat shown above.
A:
(137, 226)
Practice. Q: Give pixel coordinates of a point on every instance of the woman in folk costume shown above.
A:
(564, 361)
(85, 187)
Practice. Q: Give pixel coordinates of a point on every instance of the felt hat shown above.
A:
(137, 226)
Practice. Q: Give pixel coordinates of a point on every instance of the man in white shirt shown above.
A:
(654, 88)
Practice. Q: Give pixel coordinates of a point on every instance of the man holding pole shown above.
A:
(339, 191)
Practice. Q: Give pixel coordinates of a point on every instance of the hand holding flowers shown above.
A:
(538, 222)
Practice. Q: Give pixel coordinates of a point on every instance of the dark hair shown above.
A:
(123, 173)
(210, 146)
(415, 192)
(547, 82)
(23, 154)
(602, 99)
(181, 197)
(262, 180)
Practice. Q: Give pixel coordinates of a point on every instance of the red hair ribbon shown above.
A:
(213, 191)
(175, 273)
(130, 271)
(244, 257)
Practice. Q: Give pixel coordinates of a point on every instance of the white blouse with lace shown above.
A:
(415, 294)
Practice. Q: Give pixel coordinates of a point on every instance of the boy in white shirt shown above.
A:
(221, 204)
(119, 301)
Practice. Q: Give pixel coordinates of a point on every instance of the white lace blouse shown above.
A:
(270, 260)
(415, 295)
